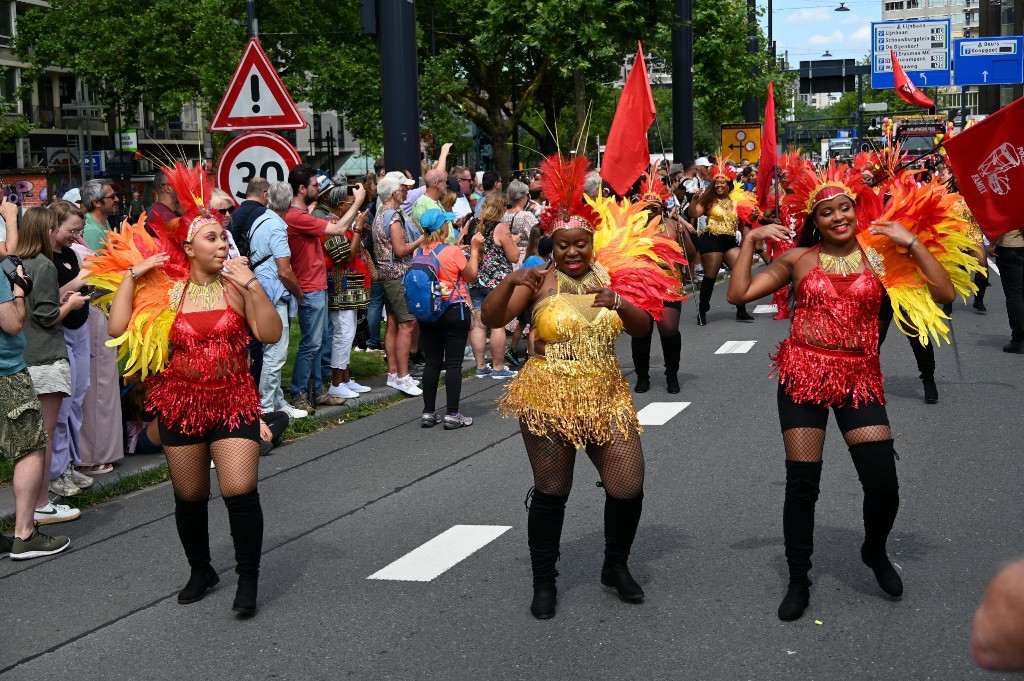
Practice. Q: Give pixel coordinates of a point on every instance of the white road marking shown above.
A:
(735, 347)
(992, 266)
(660, 413)
(441, 553)
(766, 309)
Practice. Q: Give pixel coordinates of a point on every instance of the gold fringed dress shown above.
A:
(576, 390)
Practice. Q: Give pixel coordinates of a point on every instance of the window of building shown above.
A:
(9, 84)
(913, 4)
(936, 3)
(6, 23)
(894, 6)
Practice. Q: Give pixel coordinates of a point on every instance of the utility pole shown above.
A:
(751, 113)
(250, 8)
(393, 22)
(682, 81)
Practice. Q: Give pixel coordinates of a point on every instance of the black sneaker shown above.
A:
(6, 543)
(37, 546)
(979, 306)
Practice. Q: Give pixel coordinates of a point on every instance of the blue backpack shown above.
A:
(424, 294)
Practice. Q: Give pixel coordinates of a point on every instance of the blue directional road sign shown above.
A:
(921, 46)
(988, 61)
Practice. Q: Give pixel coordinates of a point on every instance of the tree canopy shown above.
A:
(532, 66)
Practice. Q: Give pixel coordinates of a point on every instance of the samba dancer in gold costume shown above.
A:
(572, 395)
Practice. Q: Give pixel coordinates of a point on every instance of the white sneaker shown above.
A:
(292, 412)
(64, 487)
(55, 513)
(356, 388)
(78, 479)
(343, 391)
(409, 386)
(394, 382)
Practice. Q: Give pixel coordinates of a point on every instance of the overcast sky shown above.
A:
(807, 28)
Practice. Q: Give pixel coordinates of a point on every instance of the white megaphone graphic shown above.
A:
(996, 167)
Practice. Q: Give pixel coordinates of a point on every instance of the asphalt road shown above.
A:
(342, 504)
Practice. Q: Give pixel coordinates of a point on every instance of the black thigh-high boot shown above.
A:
(193, 522)
(742, 315)
(621, 517)
(642, 362)
(707, 287)
(671, 347)
(876, 468)
(802, 482)
(981, 281)
(245, 515)
(544, 534)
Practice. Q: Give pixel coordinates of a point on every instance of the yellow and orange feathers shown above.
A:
(653, 189)
(928, 212)
(157, 294)
(638, 259)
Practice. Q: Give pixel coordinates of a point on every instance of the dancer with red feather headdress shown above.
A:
(179, 311)
(846, 254)
(610, 274)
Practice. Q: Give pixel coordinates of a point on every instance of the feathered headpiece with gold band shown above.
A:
(562, 183)
(158, 292)
(194, 187)
(638, 259)
(810, 186)
(723, 169)
(928, 211)
(653, 189)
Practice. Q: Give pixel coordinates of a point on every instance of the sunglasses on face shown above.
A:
(226, 211)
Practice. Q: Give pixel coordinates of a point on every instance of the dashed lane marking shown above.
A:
(735, 347)
(766, 309)
(660, 413)
(441, 553)
(992, 266)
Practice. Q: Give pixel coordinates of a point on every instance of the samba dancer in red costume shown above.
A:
(830, 360)
(183, 300)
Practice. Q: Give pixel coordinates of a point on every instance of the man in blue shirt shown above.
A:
(22, 432)
(271, 258)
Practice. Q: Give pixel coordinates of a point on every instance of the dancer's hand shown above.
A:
(150, 263)
(770, 231)
(530, 277)
(899, 234)
(604, 297)
(237, 271)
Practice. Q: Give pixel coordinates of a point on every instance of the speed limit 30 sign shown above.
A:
(254, 154)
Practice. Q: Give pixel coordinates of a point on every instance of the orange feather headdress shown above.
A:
(653, 189)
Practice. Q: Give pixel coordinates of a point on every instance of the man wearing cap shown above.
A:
(304, 235)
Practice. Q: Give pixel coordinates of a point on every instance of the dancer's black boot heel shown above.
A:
(876, 468)
(192, 521)
(802, 482)
(245, 515)
(621, 517)
(641, 348)
(544, 533)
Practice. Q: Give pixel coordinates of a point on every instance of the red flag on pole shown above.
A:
(627, 154)
(905, 89)
(988, 162)
(769, 154)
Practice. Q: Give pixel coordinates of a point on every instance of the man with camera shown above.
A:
(22, 431)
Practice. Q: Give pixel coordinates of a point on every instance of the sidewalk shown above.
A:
(130, 465)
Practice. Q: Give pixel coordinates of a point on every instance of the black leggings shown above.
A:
(803, 425)
(924, 354)
(443, 343)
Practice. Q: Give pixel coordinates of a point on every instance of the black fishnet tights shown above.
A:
(237, 461)
(620, 463)
(807, 444)
(669, 326)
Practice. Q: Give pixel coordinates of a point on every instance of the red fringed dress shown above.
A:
(207, 381)
(831, 355)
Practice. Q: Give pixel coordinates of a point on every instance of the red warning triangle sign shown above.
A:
(256, 99)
